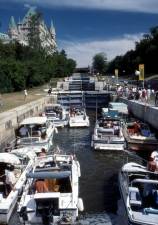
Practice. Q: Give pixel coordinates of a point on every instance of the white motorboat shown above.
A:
(57, 114)
(58, 201)
(108, 135)
(78, 118)
(22, 164)
(35, 132)
(139, 190)
(139, 137)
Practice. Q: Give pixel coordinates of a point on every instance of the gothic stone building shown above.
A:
(19, 32)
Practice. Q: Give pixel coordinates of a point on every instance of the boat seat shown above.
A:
(52, 185)
(155, 197)
(131, 131)
(134, 198)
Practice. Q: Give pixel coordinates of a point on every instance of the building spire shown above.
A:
(52, 29)
(12, 24)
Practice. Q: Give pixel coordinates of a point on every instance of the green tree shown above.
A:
(100, 63)
(24, 66)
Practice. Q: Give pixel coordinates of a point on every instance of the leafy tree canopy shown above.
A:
(146, 52)
(24, 66)
(100, 63)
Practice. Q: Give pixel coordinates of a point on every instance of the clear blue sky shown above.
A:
(86, 27)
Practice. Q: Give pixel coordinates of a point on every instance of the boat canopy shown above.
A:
(49, 175)
(34, 120)
(9, 158)
(25, 152)
(147, 181)
(134, 168)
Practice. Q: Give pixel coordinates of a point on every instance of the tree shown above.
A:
(100, 63)
(23, 66)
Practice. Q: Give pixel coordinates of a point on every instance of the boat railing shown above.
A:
(29, 140)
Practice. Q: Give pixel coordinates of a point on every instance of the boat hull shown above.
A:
(108, 147)
(142, 146)
(136, 144)
(5, 213)
(78, 124)
(8, 204)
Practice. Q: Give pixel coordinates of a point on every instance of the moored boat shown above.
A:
(36, 132)
(108, 135)
(12, 168)
(139, 191)
(78, 118)
(51, 195)
(56, 114)
(139, 137)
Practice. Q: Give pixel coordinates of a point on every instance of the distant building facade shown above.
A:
(19, 32)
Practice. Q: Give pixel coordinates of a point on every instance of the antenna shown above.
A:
(74, 141)
(96, 109)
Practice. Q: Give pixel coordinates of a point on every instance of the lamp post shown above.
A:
(137, 73)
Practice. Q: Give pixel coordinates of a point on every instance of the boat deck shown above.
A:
(145, 218)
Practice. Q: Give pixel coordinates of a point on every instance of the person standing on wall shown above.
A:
(25, 94)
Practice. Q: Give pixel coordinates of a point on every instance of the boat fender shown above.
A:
(56, 130)
(23, 213)
(80, 205)
(78, 168)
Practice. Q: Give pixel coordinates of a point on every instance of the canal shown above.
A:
(99, 176)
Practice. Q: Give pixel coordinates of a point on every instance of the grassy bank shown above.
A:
(11, 100)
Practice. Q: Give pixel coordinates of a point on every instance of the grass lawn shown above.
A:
(15, 99)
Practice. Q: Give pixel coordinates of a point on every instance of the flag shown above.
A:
(141, 70)
(116, 73)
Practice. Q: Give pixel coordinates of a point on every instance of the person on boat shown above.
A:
(116, 128)
(10, 179)
(136, 127)
(110, 124)
(23, 131)
(42, 153)
(152, 164)
(40, 186)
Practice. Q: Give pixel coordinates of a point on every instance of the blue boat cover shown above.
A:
(49, 175)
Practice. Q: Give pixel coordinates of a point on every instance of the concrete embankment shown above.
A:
(143, 111)
(11, 119)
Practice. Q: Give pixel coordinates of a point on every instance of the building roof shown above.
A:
(4, 36)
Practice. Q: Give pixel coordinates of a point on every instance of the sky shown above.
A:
(87, 27)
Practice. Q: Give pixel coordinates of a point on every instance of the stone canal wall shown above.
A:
(143, 111)
(11, 119)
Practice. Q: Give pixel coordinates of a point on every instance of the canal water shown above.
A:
(99, 176)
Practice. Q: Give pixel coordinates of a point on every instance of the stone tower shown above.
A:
(13, 30)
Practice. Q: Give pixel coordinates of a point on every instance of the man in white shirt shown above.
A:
(10, 179)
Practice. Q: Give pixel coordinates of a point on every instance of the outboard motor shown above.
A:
(23, 213)
(47, 209)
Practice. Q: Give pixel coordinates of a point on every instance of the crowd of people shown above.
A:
(134, 93)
